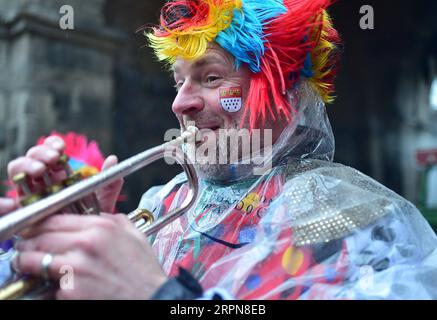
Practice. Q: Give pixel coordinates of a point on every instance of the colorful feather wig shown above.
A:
(281, 41)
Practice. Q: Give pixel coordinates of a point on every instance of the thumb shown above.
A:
(109, 162)
(108, 195)
(7, 205)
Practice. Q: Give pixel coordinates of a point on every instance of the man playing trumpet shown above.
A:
(306, 229)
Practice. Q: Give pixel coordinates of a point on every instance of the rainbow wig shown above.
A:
(281, 42)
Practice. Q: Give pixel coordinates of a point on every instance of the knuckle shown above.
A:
(121, 218)
(43, 152)
(86, 244)
(12, 165)
(55, 222)
(106, 225)
(93, 243)
(98, 242)
(81, 266)
(38, 244)
(24, 245)
(55, 142)
(25, 262)
(63, 294)
(34, 150)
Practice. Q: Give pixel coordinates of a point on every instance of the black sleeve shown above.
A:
(182, 287)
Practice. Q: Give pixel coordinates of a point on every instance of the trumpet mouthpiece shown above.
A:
(190, 132)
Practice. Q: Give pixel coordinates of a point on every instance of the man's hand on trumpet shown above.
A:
(109, 258)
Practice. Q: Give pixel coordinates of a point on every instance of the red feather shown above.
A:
(290, 38)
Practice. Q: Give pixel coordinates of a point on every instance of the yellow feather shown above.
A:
(192, 43)
(320, 58)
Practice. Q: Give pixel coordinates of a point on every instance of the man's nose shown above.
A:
(188, 101)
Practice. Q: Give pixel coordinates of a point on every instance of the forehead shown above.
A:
(214, 55)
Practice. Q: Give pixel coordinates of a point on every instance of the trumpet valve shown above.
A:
(141, 218)
(20, 180)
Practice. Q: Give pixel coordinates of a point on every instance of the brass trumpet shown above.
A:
(74, 195)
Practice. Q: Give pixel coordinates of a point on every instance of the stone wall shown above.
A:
(54, 79)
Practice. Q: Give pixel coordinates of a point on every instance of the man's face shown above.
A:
(199, 83)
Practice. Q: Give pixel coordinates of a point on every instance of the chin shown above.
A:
(223, 173)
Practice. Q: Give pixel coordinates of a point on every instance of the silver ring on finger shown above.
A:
(15, 262)
(45, 265)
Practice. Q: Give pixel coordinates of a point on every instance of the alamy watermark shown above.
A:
(367, 21)
(66, 22)
(66, 282)
(366, 278)
(225, 147)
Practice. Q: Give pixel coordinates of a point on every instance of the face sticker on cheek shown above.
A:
(231, 99)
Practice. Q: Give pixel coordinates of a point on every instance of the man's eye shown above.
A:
(212, 79)
(178, 86)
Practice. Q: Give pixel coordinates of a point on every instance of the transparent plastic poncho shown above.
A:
(308, 229)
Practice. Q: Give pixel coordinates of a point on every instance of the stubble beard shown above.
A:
(231, 161)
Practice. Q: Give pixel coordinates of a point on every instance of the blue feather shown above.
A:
(244, 38)
(307, 71)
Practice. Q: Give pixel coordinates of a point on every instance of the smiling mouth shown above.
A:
(209, 127)
(206, 129)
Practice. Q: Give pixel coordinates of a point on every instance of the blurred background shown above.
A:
(100, 79)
